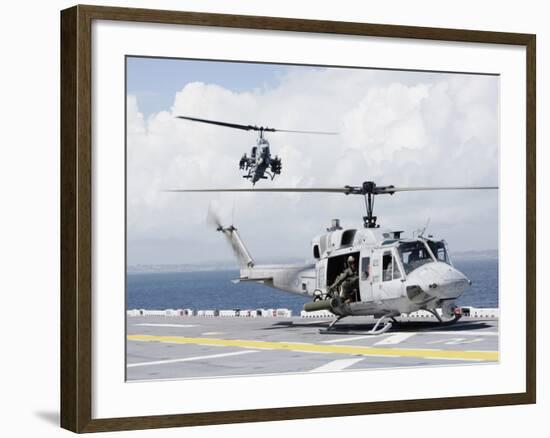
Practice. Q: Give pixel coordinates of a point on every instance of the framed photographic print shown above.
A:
(268, 218)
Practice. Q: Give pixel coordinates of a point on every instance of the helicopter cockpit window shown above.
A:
(439, 250)
(390, 269)
(316, 251)
(347, 237)
(323, 243)
(414, 255)
(253, 152)
(396, 272)
(365, 268)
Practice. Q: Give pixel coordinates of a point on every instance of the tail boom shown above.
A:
(298, 279)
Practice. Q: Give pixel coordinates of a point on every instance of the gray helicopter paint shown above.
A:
(290, 278)
(435, 280)
(257, 164)
(432, 286)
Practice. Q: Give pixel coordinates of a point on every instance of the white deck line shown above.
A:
(336, 365)
(457, 333)
(189, 359)
(395, 338)
(405, 335)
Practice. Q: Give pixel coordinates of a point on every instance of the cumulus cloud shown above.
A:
(400, 128)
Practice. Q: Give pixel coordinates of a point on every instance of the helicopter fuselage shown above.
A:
(391, 275)
(260, 165)
(395, 276)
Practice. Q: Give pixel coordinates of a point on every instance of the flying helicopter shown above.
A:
(394, 275)
(260, 164)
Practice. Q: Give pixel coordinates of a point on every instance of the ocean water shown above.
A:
(484, 276)
(214, 290)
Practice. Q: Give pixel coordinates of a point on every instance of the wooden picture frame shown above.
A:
(76, 217)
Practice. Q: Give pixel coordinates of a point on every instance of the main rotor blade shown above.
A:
(252, 127)
(216, 122)
(347, 190)
(282, 189)
(391, 190)
(306, 132)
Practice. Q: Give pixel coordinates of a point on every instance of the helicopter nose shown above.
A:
(439, 279)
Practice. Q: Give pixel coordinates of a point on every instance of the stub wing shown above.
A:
(247, 279)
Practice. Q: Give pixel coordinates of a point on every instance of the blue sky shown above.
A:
(154, 81)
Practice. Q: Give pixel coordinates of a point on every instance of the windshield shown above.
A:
(439, 250)
(413, 255)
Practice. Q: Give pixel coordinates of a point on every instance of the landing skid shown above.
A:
(387, 323)
(269, 175)
(385, 320)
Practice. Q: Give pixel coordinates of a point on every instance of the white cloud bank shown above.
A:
(400, 128)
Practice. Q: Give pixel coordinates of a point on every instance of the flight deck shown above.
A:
(180, 347)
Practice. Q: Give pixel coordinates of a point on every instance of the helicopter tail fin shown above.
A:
(238, 247)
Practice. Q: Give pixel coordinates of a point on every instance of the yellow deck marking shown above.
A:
(324, 348)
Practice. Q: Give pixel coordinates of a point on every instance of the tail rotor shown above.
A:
(213, 219)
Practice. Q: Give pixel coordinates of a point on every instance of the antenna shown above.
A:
(423, 230)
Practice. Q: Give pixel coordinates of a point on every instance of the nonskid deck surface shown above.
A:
(160, 347)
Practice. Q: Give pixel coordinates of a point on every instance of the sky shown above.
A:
(155, 81)
(395, 127)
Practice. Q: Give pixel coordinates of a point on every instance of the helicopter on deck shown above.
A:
(260, 164)
(394, 275)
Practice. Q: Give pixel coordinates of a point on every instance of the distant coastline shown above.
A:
(475, 255)
(171, 268)
(231, 265)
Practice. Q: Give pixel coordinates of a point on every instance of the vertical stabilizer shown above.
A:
(232, 235)
(237, 245)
